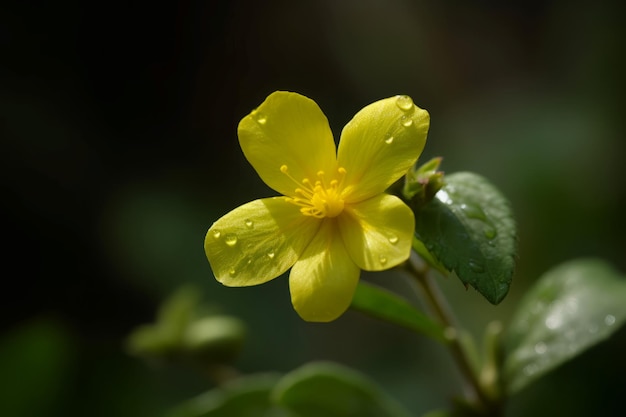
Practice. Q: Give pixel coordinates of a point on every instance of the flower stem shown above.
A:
(478, 398)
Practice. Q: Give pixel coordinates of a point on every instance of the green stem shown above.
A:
(440, 309)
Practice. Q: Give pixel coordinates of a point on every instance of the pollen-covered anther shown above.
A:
(320, 199)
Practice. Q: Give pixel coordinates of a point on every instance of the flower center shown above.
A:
(320, 198)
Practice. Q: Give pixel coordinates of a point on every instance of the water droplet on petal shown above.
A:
(217, 234)
(260, 118)
(405, 103)
(382, 259)
(389, 140)
(393, 239)
(609, 320)
(230, 239)
(541, 348)
(406, 121)
(271, 254)
(232, 272)
(249, 224)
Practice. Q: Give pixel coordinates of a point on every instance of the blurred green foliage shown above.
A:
(120, 150)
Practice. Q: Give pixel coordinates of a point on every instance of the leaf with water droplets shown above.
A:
(571, 308)
(469, 228)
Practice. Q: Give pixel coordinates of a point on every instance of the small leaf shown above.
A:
(163, 338)
(186, 331)
(469, 227)
(387, 306)
(571, 308)
(330, 390)
(244, 397)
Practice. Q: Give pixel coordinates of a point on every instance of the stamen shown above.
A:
(320, 199)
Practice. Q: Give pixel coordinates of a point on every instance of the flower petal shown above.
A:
(324, 279)
(380, 144)
(287, 129)
(258, 241)
(378, 232)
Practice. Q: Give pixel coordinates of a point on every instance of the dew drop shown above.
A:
(230, 239)
(554, 321)
(232, 272)
(271, 254)
(609, 320)
(405, 103)
(476, 267)
(260, 118)
(473, 212)
(217, 234)
(393, 239)
(249, 223)
(541, 348)
(530, 369)
(406, 121)
(249, 261)
(490, 233)
(389, 140)
(382, 259)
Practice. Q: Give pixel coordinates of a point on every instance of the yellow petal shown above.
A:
(258, 241)
(380, 144)
(378, 232)
(287, 129)
(323, 280)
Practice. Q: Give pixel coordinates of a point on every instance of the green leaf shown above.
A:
(469, 227)
(164, 337)
(186, 331)
(330, 390)
(571, 308)
(384, 305)
(244, 397)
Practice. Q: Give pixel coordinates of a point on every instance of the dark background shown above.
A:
(119, 150)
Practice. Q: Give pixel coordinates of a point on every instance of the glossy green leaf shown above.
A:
(384, 305)
(469, 227)
(330, 390)
(571, 308)
(244, 397)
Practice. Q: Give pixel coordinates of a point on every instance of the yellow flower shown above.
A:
(333, 218)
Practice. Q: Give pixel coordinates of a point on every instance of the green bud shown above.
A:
(186, 331)
(422, 183)
(214, 339)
